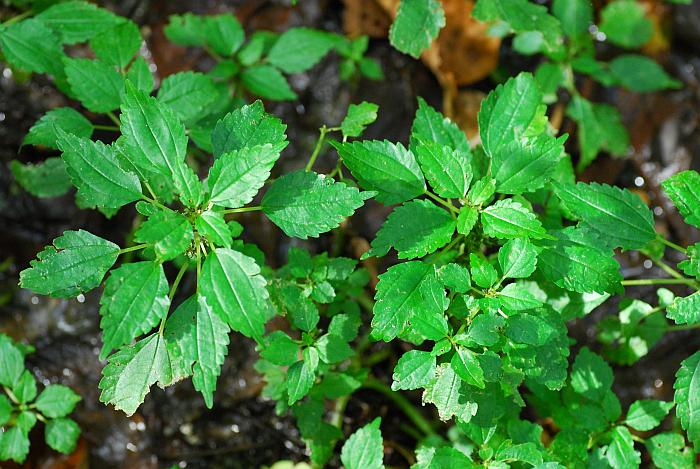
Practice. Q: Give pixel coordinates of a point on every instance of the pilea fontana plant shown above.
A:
(193, 233)
(90, 53)
(566, 35)
(22, 406)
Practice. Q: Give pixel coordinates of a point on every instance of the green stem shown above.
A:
(17, 18)
(132, 248)
(339, 411)
(106, 127)
(671, 244)
(668, 269)
(377, 357)
(113, 118)
(317, 149)
(442, 201)
(402, 403)
(684, 327)
(242, 209)
(171, 294)
(10, 394)
(657, 281)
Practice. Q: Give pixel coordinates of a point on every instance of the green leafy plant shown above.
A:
(253, 67)
(21, 406)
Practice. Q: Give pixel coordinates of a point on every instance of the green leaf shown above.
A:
(299, 49)
(444, 393)
(465, 363)
(14, 445)
(131, 371)
(280, 349)
(25, 387)
(455, 277)
(186, 30)
(431, 126)
(527, 165)
(232, 285)
(168, 231)
(591, 376)
(62, 435)
(517, 297)
(44, 131)
(97, 86)
(448, 171)
(483, 273)
(399, 297)
(619, 216)
(140, 75)
(521, 16)
(467, 218)
(390, 169)
(333, 349)
(118, 45)
(46, 179)
(685, 310)
(357, 118)
(411, 239)
(223, 33)
(668, 451)
(415, 369)
(416, 25)
(5, 409)
(212, 225)
(267, 82)
(247, 127)
(188, 94)
(507, 112)
(687, 397)
(684, 190)
(30, 45)
(210, 337)
(599, 128)
(75, 263)
(56, 401)
(11, 362)
(621, 453)
(135, 299)
(641, 74)
(302, 312)
(156, 142)
(303, 203)
(301, 376)
(95, 171)
(236, 176)
(625, 24)
(647, 414)
(517, 258)
(579, 262)
(509, 219)
(77, 21)
(575, 16)
(365, 448)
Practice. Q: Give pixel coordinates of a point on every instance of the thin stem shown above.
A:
(452, 244)
(113, 118)
(339, 411)
(17, 18)
(10, 394)
(242, 209)
(133, 248)
(672, 245)
(402, 403)
(442, 201)
(668, 269)
(179, 276)
(657, 281)
(684, 327)
(173, 289)
(153, 201)
(106, 127)
(317, 149)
